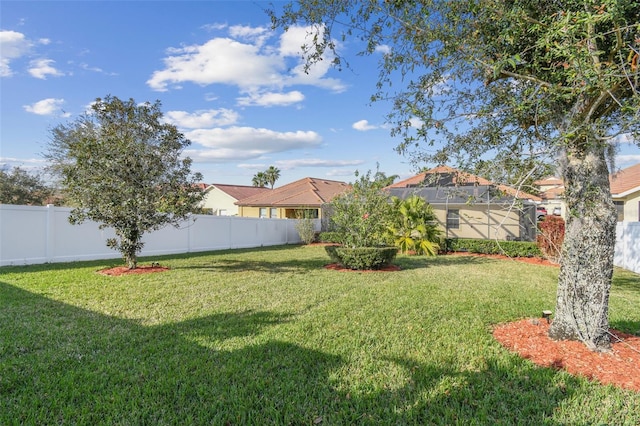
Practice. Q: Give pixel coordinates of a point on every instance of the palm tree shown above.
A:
(260, 180)
(272, 174)
(415, 229)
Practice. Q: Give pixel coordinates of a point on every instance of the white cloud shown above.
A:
(626, 160)
(271, 99)
(363, 126)
(249, 64)
(257, 34)
(242, 143)
(47, 106)
(316, 162)
(383, 48)
(200, 119)
(220, 60)
(13, 45)
(40, 68)
(341, 173)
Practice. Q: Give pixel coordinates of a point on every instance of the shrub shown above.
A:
(551, 237)
(306, 228)
(329, 237)
(508, 248)
(362, 258)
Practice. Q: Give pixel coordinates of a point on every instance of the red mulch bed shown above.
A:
(619, 367)
(124, 270)
(338, 267)
(528, 338)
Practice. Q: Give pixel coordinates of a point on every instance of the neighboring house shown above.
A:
(304, 196)
(625, 191)
(220, 199)
(552, 194)
(468, 206)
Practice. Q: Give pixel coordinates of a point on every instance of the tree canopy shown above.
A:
(23, 188)
(122, 167)
(479, 83)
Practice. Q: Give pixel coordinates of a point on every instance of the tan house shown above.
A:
(306, 196)
(220, 199)
(469, 206)
(625, 191)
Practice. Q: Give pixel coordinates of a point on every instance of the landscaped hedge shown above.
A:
(362, 258)
(329, 237)
(508, 248)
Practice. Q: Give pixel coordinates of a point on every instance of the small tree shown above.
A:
(23, 188)
(121, 166)
(361, 216)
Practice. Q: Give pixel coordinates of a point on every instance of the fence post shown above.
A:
(50, 233)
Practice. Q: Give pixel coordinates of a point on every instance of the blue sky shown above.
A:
(233, 86)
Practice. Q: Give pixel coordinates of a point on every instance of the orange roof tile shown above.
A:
(625, 180)
(303, 192)
(550, 181)
(240, 191)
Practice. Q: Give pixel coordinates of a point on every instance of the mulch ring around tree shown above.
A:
(140, 269)
(338, 267)
(619, 367)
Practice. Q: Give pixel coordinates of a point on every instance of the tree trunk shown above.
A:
(586, 264)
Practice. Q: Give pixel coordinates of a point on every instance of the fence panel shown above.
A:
(627, 254)
(33, 234)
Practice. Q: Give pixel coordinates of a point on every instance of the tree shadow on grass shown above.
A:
(293, 266)
(626, 280)
(61, 364)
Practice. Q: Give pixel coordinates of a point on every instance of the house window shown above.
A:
(620, 210)
(273, 214)
(263, 212)
(453, 219)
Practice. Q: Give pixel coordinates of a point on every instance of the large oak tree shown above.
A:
(538, 80)
(121, 165)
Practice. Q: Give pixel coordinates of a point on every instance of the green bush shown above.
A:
(329, 237)
(306, 229)
(508, 248)
(362, 258)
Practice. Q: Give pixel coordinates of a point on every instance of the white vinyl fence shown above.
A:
(32, 235)
(627, 254)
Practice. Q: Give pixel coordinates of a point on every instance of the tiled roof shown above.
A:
(553, 193)
(625, 180)
(303, 192)
(550, 181)
(240, 191)
(621, 182)
(460, 178)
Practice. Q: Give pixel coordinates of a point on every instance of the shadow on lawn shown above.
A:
(626, 280)
(65, 365)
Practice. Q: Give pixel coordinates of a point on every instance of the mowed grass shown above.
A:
(269, 336)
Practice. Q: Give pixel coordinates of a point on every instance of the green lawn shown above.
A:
(268, 336)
